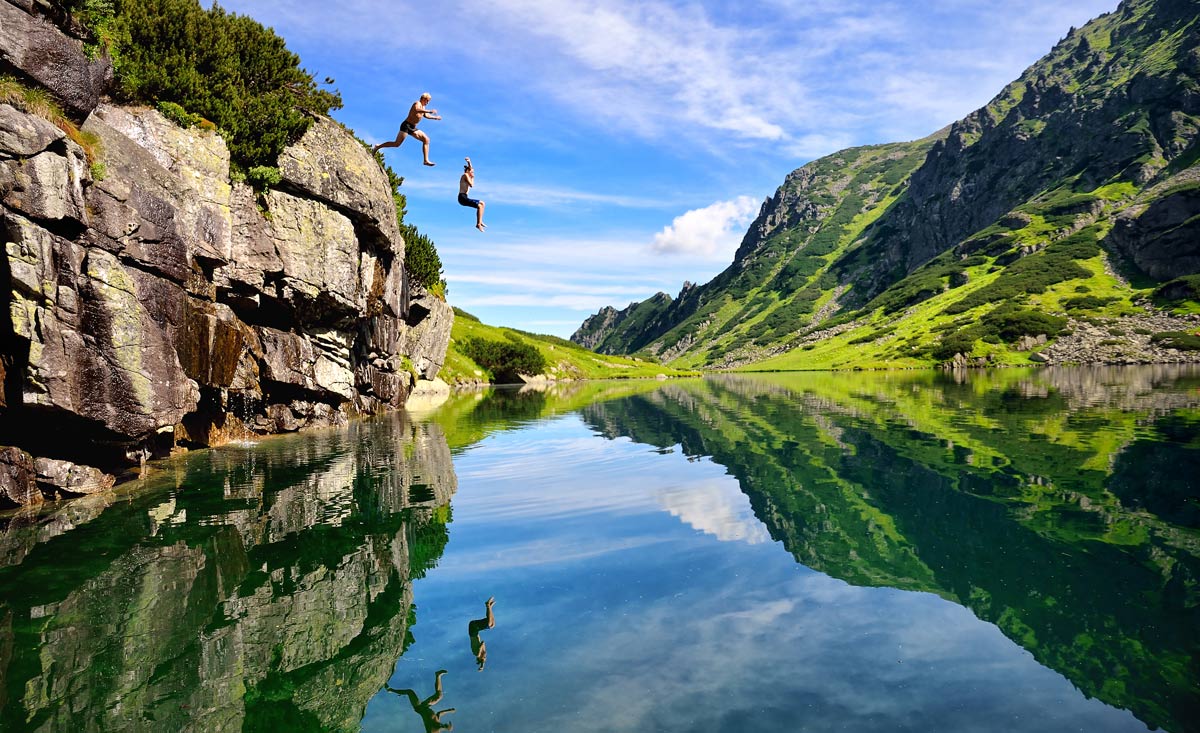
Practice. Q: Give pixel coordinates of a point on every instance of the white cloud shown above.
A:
(713, 231)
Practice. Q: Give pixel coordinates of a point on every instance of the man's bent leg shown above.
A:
(424, 145)
(393, 144)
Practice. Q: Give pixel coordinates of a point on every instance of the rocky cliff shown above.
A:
(154, 303)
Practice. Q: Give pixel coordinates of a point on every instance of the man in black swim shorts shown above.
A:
(464, 184)
(416, 113)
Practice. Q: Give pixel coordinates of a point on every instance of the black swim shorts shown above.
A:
(407, 127)
(463, 200)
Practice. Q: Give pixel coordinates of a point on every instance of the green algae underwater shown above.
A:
(1008, 550)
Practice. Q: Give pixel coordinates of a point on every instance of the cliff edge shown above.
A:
(151, 303)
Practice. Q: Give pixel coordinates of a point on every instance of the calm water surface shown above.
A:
(1012, 551)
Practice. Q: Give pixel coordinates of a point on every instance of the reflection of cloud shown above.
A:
(771, 648)
(716, 508)
(504, 558)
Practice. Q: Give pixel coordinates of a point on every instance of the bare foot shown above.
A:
(430, 164)
(480, 227)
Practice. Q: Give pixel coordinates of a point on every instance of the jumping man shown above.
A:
(464, 184)
(416, 113)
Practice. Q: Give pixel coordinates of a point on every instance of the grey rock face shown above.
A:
(56, 475)
(1162, 238)
(319, 364)
(328, 164)
(320, 257)
(164, 214)
(17, 478)
(24, 135)
(427, 333)
(46, 186)
(165, 304)
(51, 59)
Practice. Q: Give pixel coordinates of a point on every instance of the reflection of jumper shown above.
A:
(432, 719)
(478, 648)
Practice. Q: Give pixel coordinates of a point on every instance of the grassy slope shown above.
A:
(906, 334)
(784, 282)
(837, 219)
(565, 359)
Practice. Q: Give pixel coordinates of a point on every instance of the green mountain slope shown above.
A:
(562, 359)
(1055, 211)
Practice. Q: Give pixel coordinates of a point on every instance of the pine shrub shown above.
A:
(506, 360)
(221, 66)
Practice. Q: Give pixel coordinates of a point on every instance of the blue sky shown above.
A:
(623, 146)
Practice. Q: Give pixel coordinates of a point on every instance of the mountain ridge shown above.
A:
(1078, 180)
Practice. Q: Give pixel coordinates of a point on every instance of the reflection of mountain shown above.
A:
(282, 603)
(469, 417)
(1023, 496)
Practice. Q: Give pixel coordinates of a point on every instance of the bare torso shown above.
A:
(415, 113)
(464, 183)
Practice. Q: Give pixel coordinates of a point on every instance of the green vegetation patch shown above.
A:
(214, 65)
(1006, 323)
(1088, 302)
(1180, 340)
(506, 360)
(1178, 291)
(940, 274)
(421, 259)
(1035, 273)
(37, 102)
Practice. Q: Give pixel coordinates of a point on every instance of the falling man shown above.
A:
(464, 184)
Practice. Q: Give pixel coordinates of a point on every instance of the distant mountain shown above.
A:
(1038, 228)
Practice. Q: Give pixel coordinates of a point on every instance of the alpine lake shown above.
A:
(879, 551)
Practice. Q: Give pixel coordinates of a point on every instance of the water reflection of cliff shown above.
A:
(1059, 505)
(244, 590)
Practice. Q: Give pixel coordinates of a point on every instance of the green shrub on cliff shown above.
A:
(421, 259)
(220, 66)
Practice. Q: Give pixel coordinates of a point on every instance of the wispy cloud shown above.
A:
(647, 64)
(523, 194)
